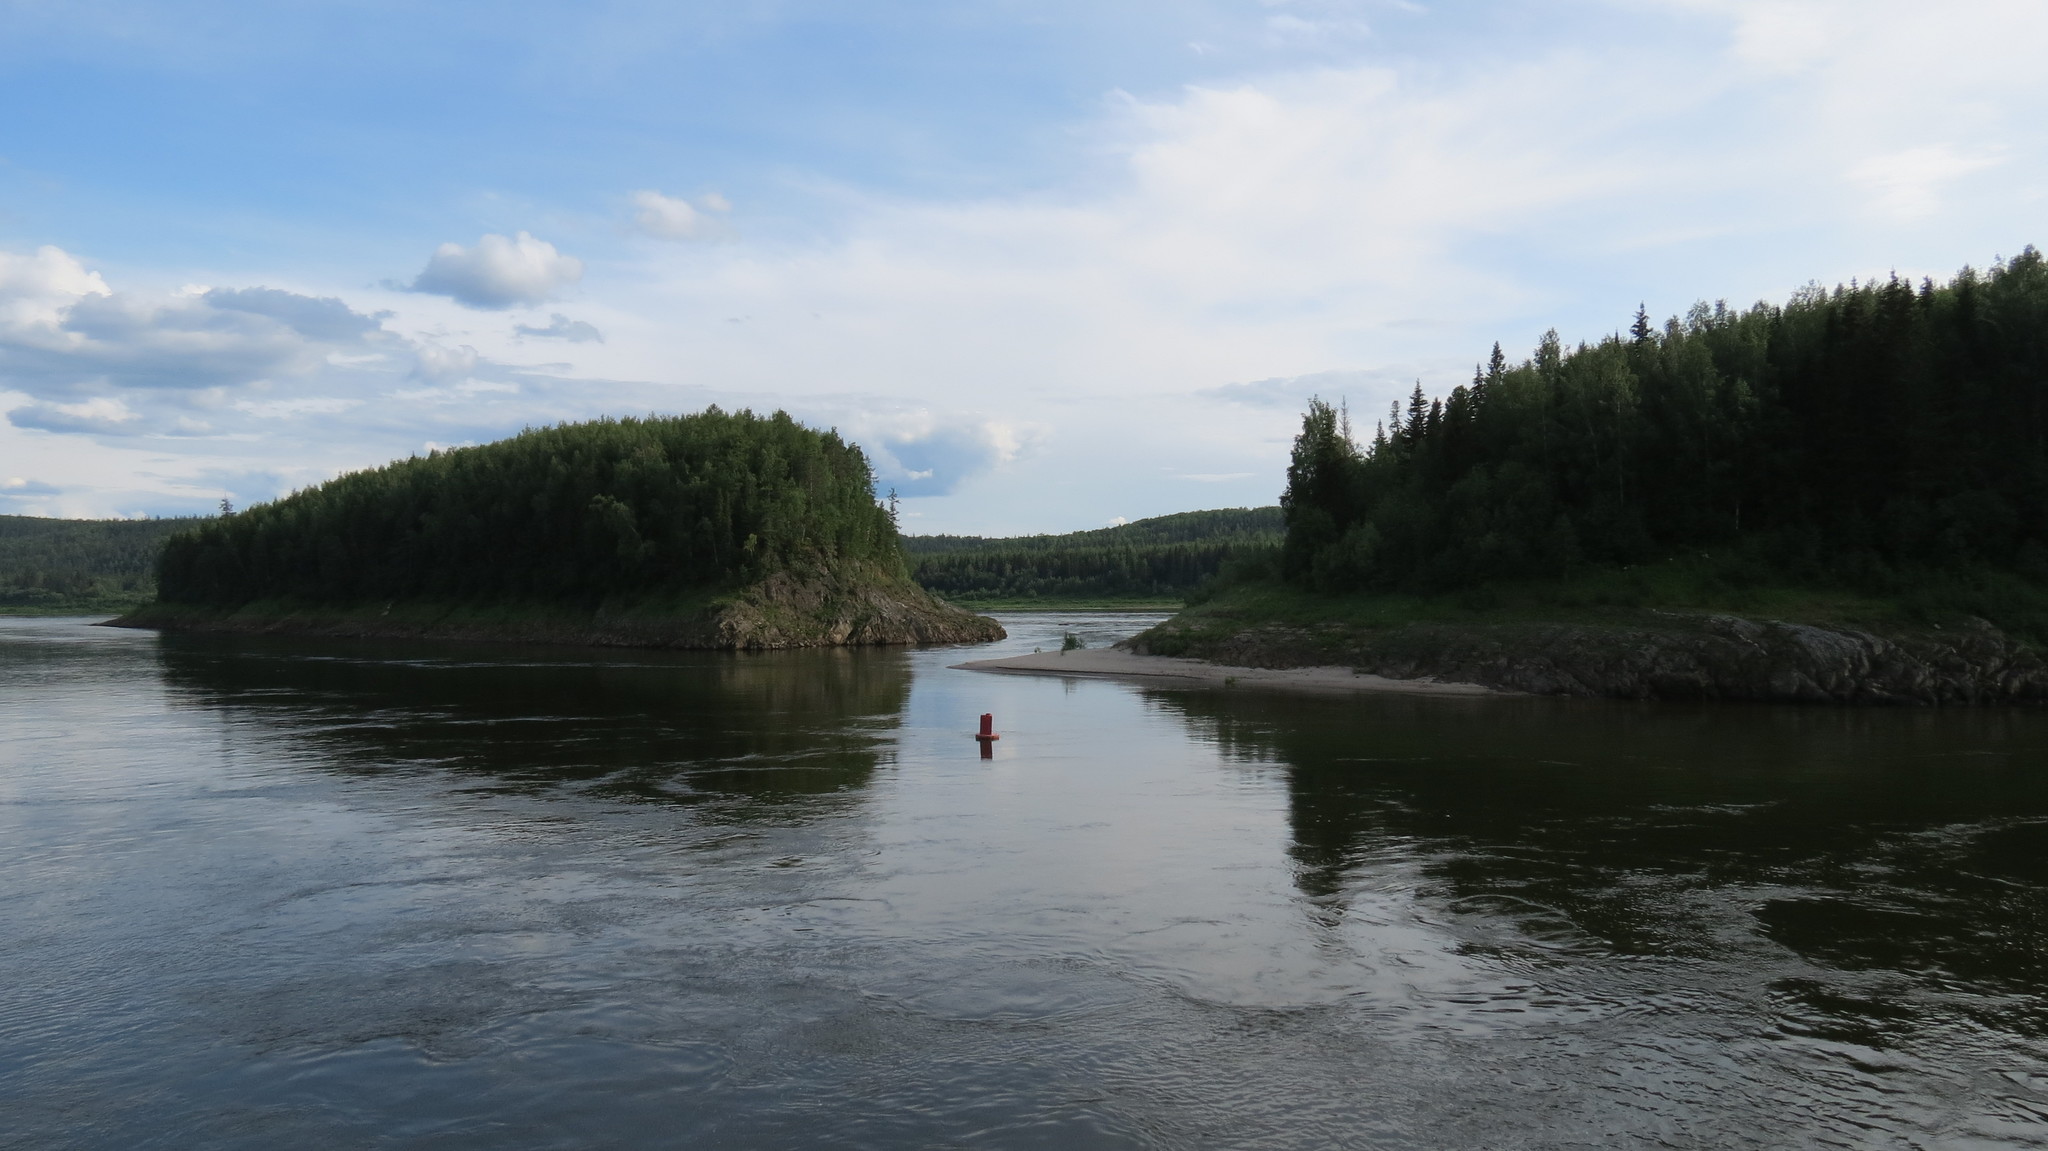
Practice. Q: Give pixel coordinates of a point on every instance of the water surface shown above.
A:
(263, 893)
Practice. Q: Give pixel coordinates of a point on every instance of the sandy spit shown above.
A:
(1115, 663)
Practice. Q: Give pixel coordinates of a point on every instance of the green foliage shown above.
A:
(1866, 437)
(1179, 527)
(1163, 558)
(576, 513)
(51, 565)
(1072, 642)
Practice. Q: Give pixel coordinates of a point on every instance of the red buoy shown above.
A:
(987, 734)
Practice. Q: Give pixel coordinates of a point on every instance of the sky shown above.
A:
(1052, 264)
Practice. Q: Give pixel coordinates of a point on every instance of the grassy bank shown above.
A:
(107, 606)
(1649, 597)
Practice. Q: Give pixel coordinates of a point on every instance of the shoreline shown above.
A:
(781, 611)
(1649, 655)
(1119, 664)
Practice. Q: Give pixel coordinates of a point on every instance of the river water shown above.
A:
(262, 893)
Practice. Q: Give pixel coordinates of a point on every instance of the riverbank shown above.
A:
(1617, 653)
(1119, 663)
(782, 611)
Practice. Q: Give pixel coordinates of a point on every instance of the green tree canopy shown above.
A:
(578, 512)
(1880, 425)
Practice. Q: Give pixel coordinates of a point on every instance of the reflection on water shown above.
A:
(1869, 883)
(260, 893)
(676, 726)
(1577, 807)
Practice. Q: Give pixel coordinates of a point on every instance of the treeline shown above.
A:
(51, 564)
(1164, 557)
(576, 513)
(1860, 434)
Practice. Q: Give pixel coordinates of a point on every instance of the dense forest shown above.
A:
(1868, 435)
(1162, 558)
(86, 565)
(89, 565)
(579, 513)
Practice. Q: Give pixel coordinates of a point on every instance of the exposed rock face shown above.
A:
(785, 610)
(1693, 658)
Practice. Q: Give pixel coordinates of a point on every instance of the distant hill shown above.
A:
(709, 530)
(1161, 559)
(52, 565)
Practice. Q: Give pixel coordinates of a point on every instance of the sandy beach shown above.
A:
(1115, 663)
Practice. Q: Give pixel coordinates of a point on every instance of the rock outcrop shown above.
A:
(784, 610)
(1679, 657)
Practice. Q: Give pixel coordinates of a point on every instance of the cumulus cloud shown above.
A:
(1168, 310)
(439, 365)
(227, 364)
(100, 414)
(63, 333)
(931, 453)
(498, 272)
(669, 218)
(561, 327)
(321, 318)
(20, 488)
(34, 288)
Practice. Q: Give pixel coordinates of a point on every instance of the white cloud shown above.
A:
(669, 218)
(1907, 185)
(99, 414)
(306, 406)
(1061, 352)
(35, 288)
(561, 327)
(67, 339)
(255, 371)
(439, 365)
(498, 272)
(1293, 392)
(925, 452)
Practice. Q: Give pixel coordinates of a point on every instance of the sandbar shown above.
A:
(1116, 663)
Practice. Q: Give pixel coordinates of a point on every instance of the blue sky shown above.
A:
(1052, 263)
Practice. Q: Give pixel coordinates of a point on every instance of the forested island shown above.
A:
(53, 566)
(1844, 497)
(715, 530)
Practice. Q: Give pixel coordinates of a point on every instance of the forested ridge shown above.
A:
(90, 564)
(1869, 434)
(574, 514)
(1161, 558)
(52, 564)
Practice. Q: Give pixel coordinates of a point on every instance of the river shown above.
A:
(265, 893)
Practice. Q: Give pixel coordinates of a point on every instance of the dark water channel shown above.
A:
(260, 894)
